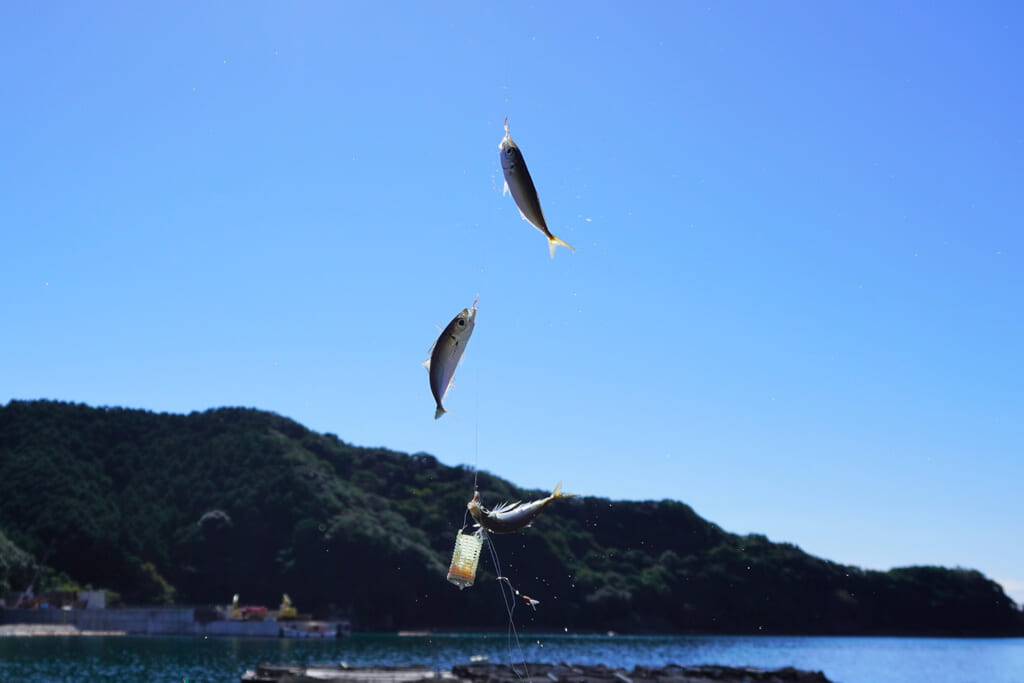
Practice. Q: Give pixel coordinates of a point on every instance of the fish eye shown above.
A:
(462, 322)
(509, 151)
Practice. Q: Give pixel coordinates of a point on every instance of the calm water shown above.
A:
(222, 660)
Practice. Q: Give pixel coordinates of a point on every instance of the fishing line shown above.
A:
(476, 435)
(508, 591)
(509, 598)
(508, 71)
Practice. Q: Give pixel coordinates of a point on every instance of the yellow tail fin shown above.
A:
(554, 242)
(557, 493)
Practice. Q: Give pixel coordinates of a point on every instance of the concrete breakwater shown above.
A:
(549, 673)
(141, 621)
(32, 630)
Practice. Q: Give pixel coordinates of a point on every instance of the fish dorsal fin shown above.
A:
(505, 507)
(430, 352)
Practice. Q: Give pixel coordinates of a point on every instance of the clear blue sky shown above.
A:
(796, 297)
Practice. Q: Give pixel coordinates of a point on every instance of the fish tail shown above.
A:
(555, 242)
(557, 493)
(441, 411)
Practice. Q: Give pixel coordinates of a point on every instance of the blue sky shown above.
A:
(795, 301)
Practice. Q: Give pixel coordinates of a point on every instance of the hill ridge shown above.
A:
(193, 508)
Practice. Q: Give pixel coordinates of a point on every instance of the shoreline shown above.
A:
(35, 629)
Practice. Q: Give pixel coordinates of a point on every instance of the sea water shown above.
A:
(76, 659)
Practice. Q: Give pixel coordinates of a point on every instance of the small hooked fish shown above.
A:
(507, 518)
(446, 354)
(520, 184)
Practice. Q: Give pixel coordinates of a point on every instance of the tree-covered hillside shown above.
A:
(194, 508)
(16, 566)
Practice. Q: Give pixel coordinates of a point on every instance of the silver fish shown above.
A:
(509, 517)
(446, 354)
(520, 184)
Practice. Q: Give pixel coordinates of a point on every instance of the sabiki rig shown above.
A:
(507, 518)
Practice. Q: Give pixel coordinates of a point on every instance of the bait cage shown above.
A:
(465, 557)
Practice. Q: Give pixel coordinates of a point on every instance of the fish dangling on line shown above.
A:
(446, 354)
(508, 518)
(520, 184)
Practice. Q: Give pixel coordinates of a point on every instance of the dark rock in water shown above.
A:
(707, 672)
(672, 673)
(538, 673)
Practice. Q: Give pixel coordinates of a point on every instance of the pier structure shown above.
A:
(176, 621)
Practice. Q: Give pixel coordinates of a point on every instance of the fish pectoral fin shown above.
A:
(504, 190)
(426, 364)
(430, 352)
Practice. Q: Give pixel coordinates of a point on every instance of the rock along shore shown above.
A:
(538, 673)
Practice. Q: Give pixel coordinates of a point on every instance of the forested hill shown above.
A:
(194, 508)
